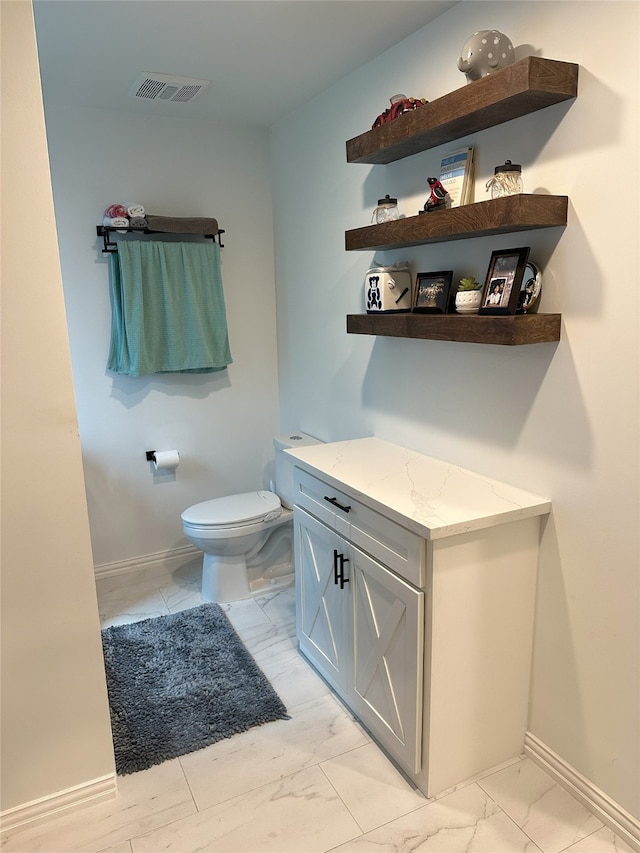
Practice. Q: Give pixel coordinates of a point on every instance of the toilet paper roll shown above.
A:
(166, 459)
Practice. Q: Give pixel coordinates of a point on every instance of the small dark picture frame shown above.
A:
(504, 278)
(431, 294)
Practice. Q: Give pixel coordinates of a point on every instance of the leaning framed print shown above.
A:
(504, 278)
(431, 293)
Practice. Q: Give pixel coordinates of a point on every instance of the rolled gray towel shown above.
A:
(182, 225)
(138, 222)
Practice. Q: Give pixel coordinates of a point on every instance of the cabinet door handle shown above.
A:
(338, 572)
(335, 503)
(341, 577)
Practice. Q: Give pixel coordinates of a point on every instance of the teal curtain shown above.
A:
(167, 309)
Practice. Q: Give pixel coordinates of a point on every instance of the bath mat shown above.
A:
(179, 683)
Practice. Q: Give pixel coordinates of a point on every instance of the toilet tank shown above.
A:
(285, 464)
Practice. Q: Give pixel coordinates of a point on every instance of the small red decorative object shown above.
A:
(399, 104)
(437, 196)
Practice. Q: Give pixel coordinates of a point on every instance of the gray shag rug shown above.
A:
(179, 683)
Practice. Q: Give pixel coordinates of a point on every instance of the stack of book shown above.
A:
(456, 176)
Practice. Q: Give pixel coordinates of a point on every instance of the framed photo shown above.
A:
(431, 293)
(504, 277)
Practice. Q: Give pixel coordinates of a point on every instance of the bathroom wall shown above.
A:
(222, 424)
(56, 733)
(561, 420)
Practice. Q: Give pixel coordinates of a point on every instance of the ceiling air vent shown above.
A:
(165, 87)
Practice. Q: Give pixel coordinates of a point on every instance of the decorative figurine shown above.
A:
(399, 104)
(485, 52)
(437, 196)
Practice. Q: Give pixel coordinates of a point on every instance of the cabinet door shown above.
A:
(322, 606)
(388, 634)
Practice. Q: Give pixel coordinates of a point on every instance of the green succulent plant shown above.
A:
(469, 283)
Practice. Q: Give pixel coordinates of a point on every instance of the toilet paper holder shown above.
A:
(163, 459)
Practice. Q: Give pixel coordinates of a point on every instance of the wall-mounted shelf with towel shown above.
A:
(167, 302)
(193, 226)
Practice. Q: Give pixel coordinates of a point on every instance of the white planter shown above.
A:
(468, 301)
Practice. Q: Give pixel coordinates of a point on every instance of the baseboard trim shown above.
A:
(161, 561)
(72, 799)
(610, 813)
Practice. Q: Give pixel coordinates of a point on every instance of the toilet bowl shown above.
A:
(247, 538)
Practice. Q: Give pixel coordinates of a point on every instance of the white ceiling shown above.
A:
(265, 57)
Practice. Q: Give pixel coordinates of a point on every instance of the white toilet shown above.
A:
(247, 539)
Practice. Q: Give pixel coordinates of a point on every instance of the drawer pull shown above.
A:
(335, 503)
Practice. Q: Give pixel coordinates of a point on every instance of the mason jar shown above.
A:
(386, 211)
(507, 180)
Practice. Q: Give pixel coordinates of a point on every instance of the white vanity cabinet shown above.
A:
(415, 585)
(362, 627)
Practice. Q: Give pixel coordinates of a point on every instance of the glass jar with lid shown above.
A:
(507, 180)
(386, 211)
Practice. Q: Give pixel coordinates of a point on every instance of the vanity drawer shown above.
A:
(393, 545)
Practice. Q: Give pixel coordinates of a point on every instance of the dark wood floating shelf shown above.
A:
(484, 218)
(524, 87)
(475, 329)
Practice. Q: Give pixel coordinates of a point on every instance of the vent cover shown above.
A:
(165, 87)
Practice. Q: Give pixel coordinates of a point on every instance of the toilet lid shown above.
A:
(234, 509)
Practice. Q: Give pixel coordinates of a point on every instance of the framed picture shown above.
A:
(432, 291)
(504, 277)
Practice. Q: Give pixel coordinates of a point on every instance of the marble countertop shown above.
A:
(433, 498)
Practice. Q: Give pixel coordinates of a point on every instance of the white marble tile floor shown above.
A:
(315, 782)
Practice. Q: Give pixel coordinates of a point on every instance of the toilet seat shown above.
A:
(231, 511)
